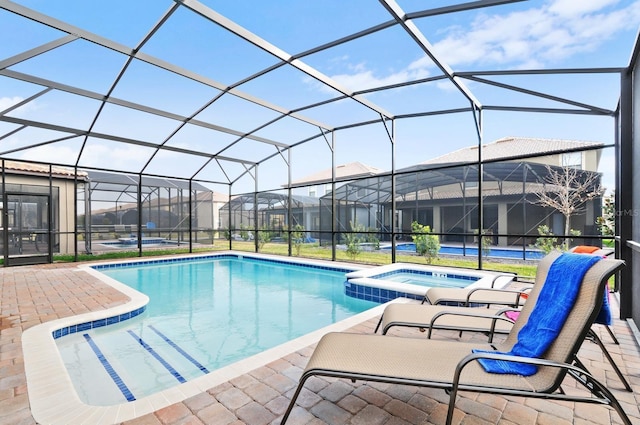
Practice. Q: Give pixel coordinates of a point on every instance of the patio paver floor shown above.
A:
(31, 295)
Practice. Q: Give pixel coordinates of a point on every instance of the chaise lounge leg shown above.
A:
(612, 335)
(594, 337)
(378, 325)
(303, 379)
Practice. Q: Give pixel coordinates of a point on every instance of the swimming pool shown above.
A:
(203, 314)
(529, 254)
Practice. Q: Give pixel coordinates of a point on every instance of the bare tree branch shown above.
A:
(568, 190)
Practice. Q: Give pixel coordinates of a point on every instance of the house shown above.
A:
(443, 193)
(38, 211)
(512, 176)
(318, 184)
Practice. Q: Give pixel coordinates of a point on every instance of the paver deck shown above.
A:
(31, 295)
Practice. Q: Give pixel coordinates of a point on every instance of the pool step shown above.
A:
(151, 357)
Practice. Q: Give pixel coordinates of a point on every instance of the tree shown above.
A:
(427, 244)
(607, 222)
(568, 190)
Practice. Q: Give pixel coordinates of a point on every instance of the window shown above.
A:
(312, 192)
(572, 159)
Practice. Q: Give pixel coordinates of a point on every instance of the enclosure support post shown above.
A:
(393, 191)
(624, 196)
(4, 220)
(88, 242)
(75, 215)
(334, 219)
(289, 211)
(50, 220)
(231, 226)
(191, 209)
(480, 200)
(139, 204)
(477, 115)
(255, 210)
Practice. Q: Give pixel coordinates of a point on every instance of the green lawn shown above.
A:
(316, 252)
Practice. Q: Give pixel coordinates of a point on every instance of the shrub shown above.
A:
(244, 233)
(372, 238)
(427, 244)
(353, 240)
(485, 244)
(548, 242)
(297, 238)
(264, 236)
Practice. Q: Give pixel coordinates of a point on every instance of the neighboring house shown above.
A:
(515, 179)
(162, 215)
(37, 211)
(318, 184)
(443, 192)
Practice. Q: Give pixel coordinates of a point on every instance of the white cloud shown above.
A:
(365, 78)
(7, 102)
(532, 38)
(542, 35)
(570, 8)
(95, 155)
(51, 154)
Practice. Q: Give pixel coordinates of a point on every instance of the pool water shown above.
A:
(202, 315)
(428, 280)
(473, 251)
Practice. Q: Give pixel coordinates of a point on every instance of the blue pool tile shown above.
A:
(99, 323)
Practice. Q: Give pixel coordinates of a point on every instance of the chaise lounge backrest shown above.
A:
(585, 310)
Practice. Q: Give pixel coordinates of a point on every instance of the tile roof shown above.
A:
(352, 169)
(32, 168)
(508, 147)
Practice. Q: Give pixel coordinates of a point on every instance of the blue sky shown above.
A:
(523, 35)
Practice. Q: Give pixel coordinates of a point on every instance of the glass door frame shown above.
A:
(21, 231)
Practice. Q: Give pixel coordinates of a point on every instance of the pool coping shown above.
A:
(52, 396)
(364, 277)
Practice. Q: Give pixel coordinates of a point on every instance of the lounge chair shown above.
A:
(490, 321)
(455, 366)
(466, 297)
(594, 250)
(463, 319)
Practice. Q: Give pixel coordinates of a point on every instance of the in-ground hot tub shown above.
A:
(385, 283)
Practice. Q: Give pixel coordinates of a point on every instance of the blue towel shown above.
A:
(547, 318)
(604, 316)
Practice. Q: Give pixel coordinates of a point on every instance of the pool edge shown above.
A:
(52, 396)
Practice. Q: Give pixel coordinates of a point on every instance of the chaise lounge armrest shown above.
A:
(443, 320)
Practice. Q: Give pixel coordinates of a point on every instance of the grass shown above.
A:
(313, 251)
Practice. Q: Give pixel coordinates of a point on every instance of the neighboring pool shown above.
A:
(203, 314)
(529, 254)
(133, 242)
